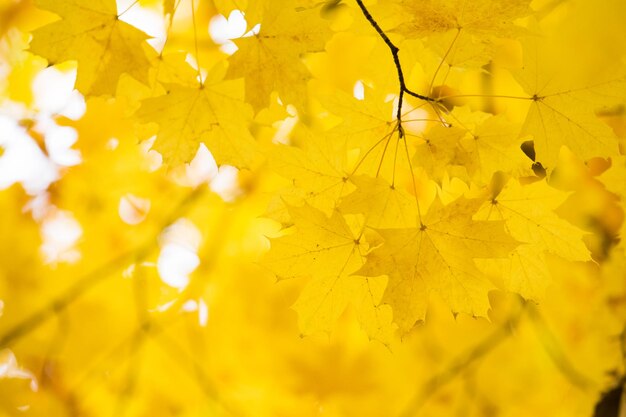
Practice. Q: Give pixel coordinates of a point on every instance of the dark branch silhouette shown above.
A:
(396, 59)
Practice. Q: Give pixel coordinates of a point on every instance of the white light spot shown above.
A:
(415, 121)
(359, 90)
(129, 271)
(75, 107)
(226, 184)
(60, 232)
(23, 161)
(200, 307)
(148, 20)
(190, 305)
(59, 141)
(285, 127)
(133, 209)
(223, 30)
(178, 257)
(175, 264)
(203, 313)
(164, 307)
(54, 92)
(254, 31)
(202, 168)
(39, 206)
(153, 158)
(10, 369)
(112, 144)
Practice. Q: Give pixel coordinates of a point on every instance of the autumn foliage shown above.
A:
(312, 208)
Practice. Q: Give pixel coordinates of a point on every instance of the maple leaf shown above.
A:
(321, 246)
(211, 113)
(92, 34)
(440, 151)
(528, 213)
(484, 19)
(324, 299)
(364, 122)
(475, 147)
(461, 31)
(564, 114)
(271, 60)
(122, 327)
(329, 251)
(316, 170)
(382, 205)
(493, 145)
(529, 217)
(171, 69)
(438, 256)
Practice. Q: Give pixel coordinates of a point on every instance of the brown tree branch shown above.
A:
(396, 60)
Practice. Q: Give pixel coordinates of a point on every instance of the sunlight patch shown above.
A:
(178, 258)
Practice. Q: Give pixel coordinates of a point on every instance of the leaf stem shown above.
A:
(195, 42)
(128, 8)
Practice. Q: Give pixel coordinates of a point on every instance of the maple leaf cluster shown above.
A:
(386, 162)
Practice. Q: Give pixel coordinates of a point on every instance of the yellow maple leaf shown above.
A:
(92, 34)
(529, 217)
(324, 299)
(316, 170)
(328, 251)
(485, 19)
(364, 122)
(213, 114)
(528, 212)
(475, 147)
(461, 31)
(439, 153)
(438, 256)
(494, 145)
(160, 306)
(271, 60)
(563, 113)
(321, 246)
(382, 205)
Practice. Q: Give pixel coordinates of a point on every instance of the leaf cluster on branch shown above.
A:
(399, 155)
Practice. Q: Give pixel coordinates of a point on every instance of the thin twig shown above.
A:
(396, 60)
